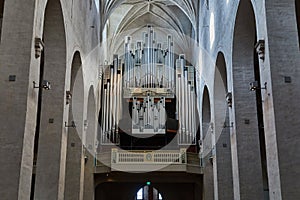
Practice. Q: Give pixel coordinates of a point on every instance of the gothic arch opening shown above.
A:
(222, 130)
(206, 113)
(220, 90)
(52, 137)
(90, 146)
(297, 3)
(206, 154)
(206, 137)
(75, 101)
(249, 144)
(75, 96)
(1, 16)
(90, 122)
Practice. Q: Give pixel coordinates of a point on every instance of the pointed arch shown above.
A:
(245, 141)
(75, 100)
(222, 131)
(208, 183)
(206, 112)
(52, 132)
(90, 151)
(91, 121)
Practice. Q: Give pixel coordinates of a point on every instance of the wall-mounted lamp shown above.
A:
(38, 46)
(73, 125)
(202, 163)
(260, 49)
(86, 158)
(228, 126)
(255, 86)
(85, 124)
(96, 144)
(68, 97)
(229, 99)
(211, 160)
(45, 85)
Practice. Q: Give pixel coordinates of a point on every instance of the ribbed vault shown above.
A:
(123, 17)
(188, 7)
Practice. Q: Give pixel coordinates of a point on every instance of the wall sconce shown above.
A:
(68, 97)
(229, 99)
(260, 49)
(228, 126)
(73, 125)
(45, 85)
(85, 124)
(211, 160)
(38, 46)
(212, 155)
(96, 144)
(86, 158)
(255, 86)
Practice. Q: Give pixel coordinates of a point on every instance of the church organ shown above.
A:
(152, 85)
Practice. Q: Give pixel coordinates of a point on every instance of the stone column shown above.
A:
(18, 99)
(89, 189)
(224, 165)
(74, 167)
(281, 100)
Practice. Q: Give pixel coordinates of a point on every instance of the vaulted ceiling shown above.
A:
(177, 16)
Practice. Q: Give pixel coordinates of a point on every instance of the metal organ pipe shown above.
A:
(107, 132)
(141, 118)
(192, 105)
(114, 108)
(182, 95)
(189, 114)
(169, 66)
(118, 99)
(172, 64)
(186, 103)
(193, 114)
(147, 60)
(148, 110)
(162, 113)
(156, 118)
(150, 57)
(178, 98)
(127, 54)
(111, 101)
(134, 111)
(138, 62)
(180, 107)
(104, 107)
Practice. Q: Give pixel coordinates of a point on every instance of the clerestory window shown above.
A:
(298, 18)
(1, 16)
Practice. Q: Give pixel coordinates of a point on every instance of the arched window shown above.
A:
(1, 15)
(298, 18)
(144, 194)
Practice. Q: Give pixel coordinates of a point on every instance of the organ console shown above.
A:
(158, 90)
